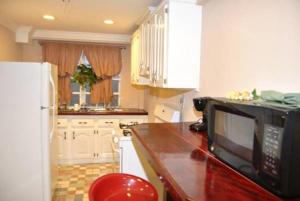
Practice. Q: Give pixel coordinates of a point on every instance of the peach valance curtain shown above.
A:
(106, 62)
(66, 56)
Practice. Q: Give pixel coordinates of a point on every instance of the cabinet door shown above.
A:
(62, 141)
(135, 57)
(137, 65)
(152, 48)
(161, 47)
(106, 140)
(145, 50)
(83, 144)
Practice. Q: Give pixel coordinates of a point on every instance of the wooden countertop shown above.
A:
(123, 111)
(188, 170)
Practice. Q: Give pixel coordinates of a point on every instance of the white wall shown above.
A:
(245, 45)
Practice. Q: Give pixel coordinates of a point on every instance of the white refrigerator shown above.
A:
(28, 144)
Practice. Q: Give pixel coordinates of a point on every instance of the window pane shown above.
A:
(84, 60)
(88, 99)
(115, 85)
(75, 99)
(87, 88)
(75, 87)
(117, 76)
(115, 101)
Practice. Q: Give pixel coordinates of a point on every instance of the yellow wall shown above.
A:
(9, 49)
(32, 52)
(245, 45)
(131, 96)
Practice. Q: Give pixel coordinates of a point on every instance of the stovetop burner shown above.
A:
(127, 128)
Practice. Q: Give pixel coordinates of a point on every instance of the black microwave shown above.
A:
(261, 142)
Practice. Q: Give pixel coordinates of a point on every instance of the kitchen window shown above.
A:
(82, 95)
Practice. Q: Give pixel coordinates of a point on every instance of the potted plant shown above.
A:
(85, 76)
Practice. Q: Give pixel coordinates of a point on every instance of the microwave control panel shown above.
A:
(271, 149)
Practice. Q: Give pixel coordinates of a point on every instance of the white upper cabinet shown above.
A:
(166, 47)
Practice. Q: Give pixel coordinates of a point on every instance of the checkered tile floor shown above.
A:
(74, 181)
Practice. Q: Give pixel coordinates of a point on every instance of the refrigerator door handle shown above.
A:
(53, 106)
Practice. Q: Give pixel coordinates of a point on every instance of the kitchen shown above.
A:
(244, 45)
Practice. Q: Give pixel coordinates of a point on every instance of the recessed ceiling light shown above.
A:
(108, 22)
(48, 17)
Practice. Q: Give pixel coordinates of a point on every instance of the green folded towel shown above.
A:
(275, 98)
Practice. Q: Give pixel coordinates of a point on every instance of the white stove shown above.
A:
(130, 162)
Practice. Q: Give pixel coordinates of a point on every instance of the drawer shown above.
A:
(62, 123)
(108, 122)
(131, 121)
(83, 122)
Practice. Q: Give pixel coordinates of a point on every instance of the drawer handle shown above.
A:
(109, 122)
(82, 122)
(65, 135)
(73, 135)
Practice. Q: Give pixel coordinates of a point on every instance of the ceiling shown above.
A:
(77, 15)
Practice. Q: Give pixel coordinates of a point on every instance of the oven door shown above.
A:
(232, 136)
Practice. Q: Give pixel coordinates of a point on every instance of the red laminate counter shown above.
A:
(188, 170)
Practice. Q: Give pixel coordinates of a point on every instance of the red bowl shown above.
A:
(122, 187)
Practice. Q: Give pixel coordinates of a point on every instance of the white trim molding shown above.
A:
(23, 34)
(41, 34)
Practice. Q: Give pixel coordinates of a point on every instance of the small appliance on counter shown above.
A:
(260, 141)
(200, 105)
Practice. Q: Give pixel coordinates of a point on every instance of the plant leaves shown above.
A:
(84, 76)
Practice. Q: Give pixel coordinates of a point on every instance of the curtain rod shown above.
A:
(121, 46)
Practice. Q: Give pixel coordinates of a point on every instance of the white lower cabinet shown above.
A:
(89, 139)
(82, 144)
(62, 151)
(106, 140)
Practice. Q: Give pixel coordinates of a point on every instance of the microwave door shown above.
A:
(233, 140)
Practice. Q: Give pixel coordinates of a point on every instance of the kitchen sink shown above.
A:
(105, 109)
(93, 110)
